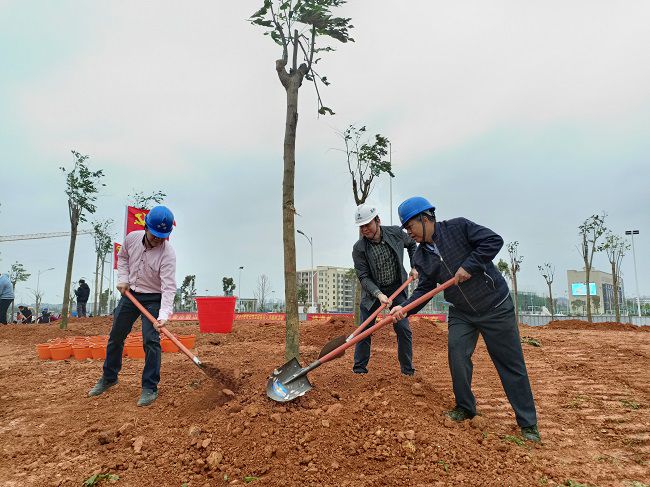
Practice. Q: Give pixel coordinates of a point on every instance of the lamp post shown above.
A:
(636, 278)
(241, 267)
(38, 283)
(311, 246)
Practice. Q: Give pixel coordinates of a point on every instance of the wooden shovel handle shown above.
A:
(163, 330)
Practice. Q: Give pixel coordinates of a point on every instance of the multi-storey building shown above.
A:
(601, 291)
(332, 288)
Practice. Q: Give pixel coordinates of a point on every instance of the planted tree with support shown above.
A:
(262, 291)
(298, 28)
(37, 295)
(548, 273)
(101, 235)
(17, 274)
(616, 247)
(504, 268)
(366, 160)
(228, 286)
(146, 201)
(82, 187)
(515, 261)
(188, 293)
(302, 295)
(590, 232)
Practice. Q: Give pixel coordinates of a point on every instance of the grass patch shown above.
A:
(636, 483)
(515, 439)
(576, 402)
(444, 465)
(573, 483)
(250, 479)
(630, 404)
(531, 341)
(100, 477)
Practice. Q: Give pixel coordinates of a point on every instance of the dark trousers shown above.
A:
(124, 316)
(4, 306)
(402, 330)
(81, 310)
(501, 336)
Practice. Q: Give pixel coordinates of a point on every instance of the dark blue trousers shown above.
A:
(404, 339)
(500, 333)
(124, 316)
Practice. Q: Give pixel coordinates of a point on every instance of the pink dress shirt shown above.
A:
(149, 270)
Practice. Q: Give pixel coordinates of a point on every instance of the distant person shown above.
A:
(82, 293)
(45, 316)
(26, 315)
(480, 304)
(6, 296)
(146, 266)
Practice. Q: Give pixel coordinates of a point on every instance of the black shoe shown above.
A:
(531, 433)
(101, 387)
(459, 414)
(360, 370)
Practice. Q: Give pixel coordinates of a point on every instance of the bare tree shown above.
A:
(616, 247)
(548, 272)
(146, 201)
(100, 236)
(515, 261)
(590, 232)
(262, 291)
(82, 186)
(17, 274)
(297, 26)
(37, 295)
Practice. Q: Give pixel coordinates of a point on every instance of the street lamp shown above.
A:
(241, 267)
(636, 278)
(311, 245)
(38, 277)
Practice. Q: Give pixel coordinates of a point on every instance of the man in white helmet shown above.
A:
(379, 262)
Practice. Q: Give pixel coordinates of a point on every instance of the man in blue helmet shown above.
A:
(146, 266)
(378, 261)
(480, 303)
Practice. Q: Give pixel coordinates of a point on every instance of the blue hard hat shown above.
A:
(160, 221)
(413, 207)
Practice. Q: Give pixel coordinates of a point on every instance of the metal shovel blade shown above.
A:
(277, 387)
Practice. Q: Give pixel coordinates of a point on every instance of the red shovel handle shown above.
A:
(379, 310)
(389, 319)
(163, 330)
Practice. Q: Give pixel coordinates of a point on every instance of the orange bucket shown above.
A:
(81, 351)
(216, 313)
(187, 340)
(61, 351)
(168, 346)
(98, 351)
(134, 350)
(43, 350)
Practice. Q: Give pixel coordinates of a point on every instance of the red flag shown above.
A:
(134, 219)
(116, 250)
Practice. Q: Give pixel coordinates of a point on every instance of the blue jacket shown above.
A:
(6, 288)
(461, 243)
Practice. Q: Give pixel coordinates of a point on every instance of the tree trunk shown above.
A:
(68, 275)
(292, 344)
(96, 300)
(617, 309)
(550, 297)
(514, 285)
(101, 287)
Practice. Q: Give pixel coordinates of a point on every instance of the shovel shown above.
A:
(290, 381)
(164, 330)
(338, 341)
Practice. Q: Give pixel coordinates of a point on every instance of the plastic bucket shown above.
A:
(134, 350)
(216, 313)
(187, 340)
(168, 346)
(43, 350)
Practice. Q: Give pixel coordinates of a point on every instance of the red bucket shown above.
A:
(216, 313)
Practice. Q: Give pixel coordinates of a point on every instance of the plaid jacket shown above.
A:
(366, 268)
(461, 243)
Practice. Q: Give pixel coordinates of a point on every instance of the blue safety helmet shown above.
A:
(412, 207)
(160, 221)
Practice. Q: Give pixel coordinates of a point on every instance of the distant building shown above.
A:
(334, 289)
(601, 286)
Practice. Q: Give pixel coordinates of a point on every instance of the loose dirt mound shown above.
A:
(592, 392)
(605, 325)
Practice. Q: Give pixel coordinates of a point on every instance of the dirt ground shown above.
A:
(592, 388)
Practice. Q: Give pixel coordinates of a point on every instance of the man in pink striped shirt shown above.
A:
(146, 266)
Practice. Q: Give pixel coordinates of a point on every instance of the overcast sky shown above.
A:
(526, 117)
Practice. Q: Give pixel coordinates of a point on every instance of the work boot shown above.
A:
(101, 387)
(360, 370)
(459, 414)
(531, 433)
(147, 397)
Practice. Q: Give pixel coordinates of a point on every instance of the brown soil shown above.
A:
(592, 391)
(605, 325)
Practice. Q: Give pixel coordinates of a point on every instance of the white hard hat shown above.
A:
(364, 214)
